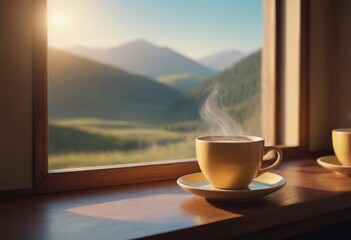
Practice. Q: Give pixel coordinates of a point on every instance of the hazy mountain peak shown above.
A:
(81, 48)
(222, 60)
(138, 43)
(144, 58)
(223, 52)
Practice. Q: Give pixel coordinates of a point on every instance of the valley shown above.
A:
(100, 114)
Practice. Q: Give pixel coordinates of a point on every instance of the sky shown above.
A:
(195, 28)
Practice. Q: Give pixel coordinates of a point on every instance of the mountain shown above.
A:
(144, 58)
(82, 88)
(222, 60)
(239, 94)
(237, 83)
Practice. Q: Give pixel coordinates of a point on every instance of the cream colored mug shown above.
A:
(232, 162)
(342, 145)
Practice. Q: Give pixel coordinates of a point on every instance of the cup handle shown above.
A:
(267, 149)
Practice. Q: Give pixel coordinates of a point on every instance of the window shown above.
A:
(104, 176)
(136, 81)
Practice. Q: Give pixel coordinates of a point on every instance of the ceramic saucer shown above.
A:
(332, 163)
(263, 185)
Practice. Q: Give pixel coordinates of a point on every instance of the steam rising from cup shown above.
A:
(212, 112)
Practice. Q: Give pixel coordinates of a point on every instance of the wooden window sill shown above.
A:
(312, 198)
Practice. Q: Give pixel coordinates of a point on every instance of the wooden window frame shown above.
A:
(82, 178)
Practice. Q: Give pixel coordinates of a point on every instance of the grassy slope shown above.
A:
(81, 88)
(183, 82)
(64, 139)
(92, 142)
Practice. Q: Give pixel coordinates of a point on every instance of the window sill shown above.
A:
(312, 198)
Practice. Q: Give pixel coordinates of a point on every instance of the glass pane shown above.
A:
(137, 80)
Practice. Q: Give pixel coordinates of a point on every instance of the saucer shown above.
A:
(332, 163)
(263, 185)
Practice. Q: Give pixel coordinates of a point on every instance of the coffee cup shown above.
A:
(342, 145)
(232, 162)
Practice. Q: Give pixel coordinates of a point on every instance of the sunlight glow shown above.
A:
(111, 23)
(60, 20)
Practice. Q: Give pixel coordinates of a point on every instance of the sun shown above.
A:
(60, 20)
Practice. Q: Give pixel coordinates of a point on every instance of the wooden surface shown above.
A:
(116, 175)
(313, 197)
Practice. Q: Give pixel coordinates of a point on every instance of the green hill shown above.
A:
(64, 139)
(239, 94)
(82, 88)
(237, 83)
(183, 82)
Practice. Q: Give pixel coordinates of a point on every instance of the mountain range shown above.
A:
(144, 58)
